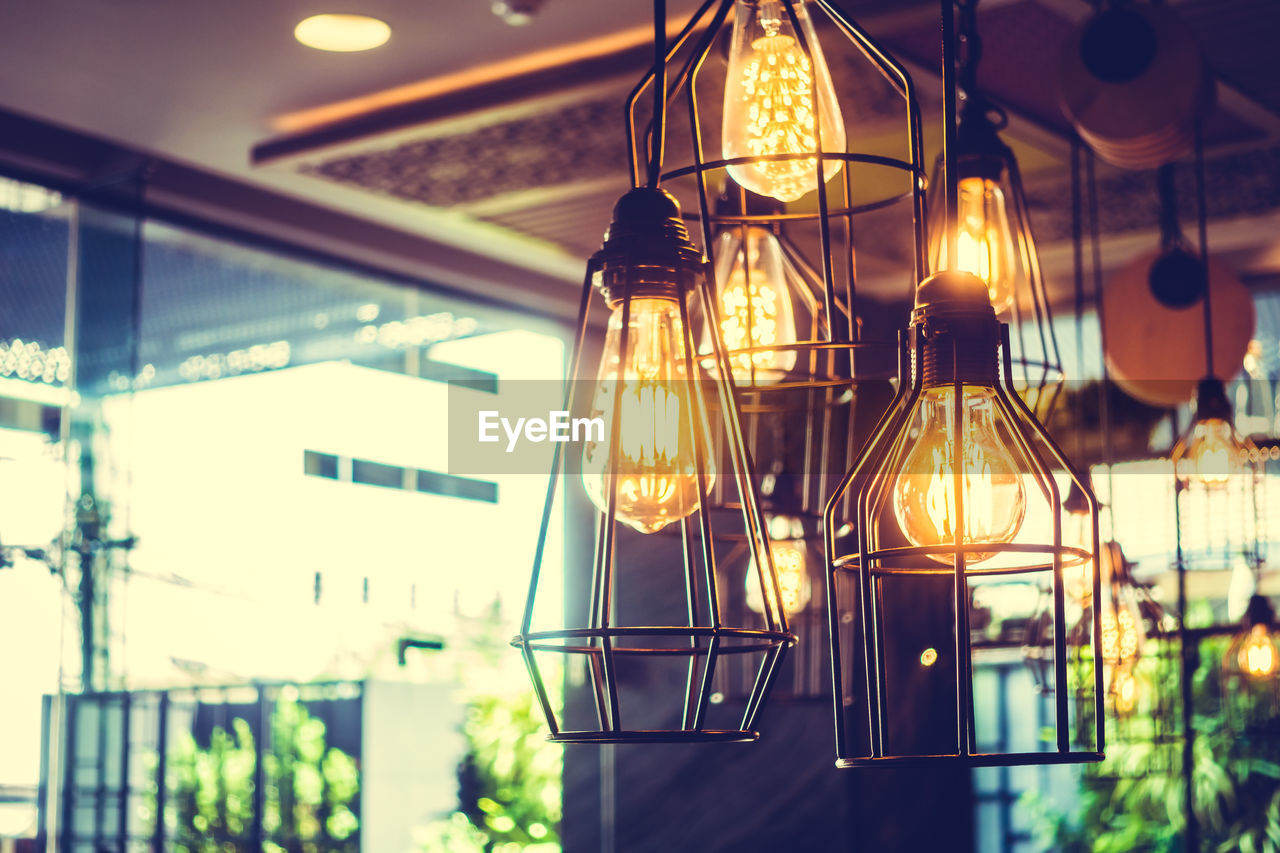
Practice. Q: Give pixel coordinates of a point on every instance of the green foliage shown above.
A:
(310, 789)
(1134, 801)
(510, 778)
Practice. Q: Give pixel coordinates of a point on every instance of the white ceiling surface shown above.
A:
(203, 82)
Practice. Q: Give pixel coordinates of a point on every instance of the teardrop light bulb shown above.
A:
(755, 306)
(984, 241)
(924, 495)
(790, 564)
(655, 466)
(769, 101)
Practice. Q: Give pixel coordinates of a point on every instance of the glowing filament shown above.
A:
(769, 103)
(925, 493)
(654, 471)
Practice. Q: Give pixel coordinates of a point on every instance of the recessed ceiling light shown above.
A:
(343, 33)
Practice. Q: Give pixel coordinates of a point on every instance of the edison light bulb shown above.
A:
(790, 564)
(924, 498)
(984, 241)
(1124, 691)
(655, 468)
(1077, 532)
(1121, 636)
(755, 306)
(1213, 453)
(1257, 656)
(769, 102)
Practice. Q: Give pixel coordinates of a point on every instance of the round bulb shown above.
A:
(924, 494)
(984, 241)
(755, 306)
(769, 106)
(1257, 656)
(790, 564)
(342, 33)
(655, 470)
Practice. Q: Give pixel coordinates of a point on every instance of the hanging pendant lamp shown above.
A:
(777, 186)
(994, 237)
(649, 475)
(955, 490)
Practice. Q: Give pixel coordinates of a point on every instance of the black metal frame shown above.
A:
(868, 484)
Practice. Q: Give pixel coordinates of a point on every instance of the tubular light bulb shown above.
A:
(1077, 576)
(1257, 656)
(924, 495)
(769, 102)
(655, 468)
(1213, 453)
(790, 564)
(984, 241)
(755, 306)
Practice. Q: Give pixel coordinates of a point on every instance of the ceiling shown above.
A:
(473, 139)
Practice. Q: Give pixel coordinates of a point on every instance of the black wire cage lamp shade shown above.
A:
(994, 239)
(651, 471)
(1251, 672)
(758, 150)
(954, 494)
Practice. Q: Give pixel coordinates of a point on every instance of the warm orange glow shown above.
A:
(984, 241)
(769, 106)
(755, 306)
(924, 495)
(1124, 691)
(342, 33)
(1258, 654)
(1121, 641)
(1213, 452)
(480, 75)
(654, 472)
(790, 564)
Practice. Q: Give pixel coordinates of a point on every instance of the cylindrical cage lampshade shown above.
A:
(761, 146)
(653, 631)
(995, 241)
(957, 506)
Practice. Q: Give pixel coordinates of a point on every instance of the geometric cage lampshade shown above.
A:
(957, 498)
(652, 632)
(758, 151)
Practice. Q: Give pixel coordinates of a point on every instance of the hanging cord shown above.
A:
(1202, 223)
(1166, 189)
(659, 91)
(970, 48)
(951, 210)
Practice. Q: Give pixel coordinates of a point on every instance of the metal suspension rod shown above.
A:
(1202, 216)
(951, 200)
(659, 90)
